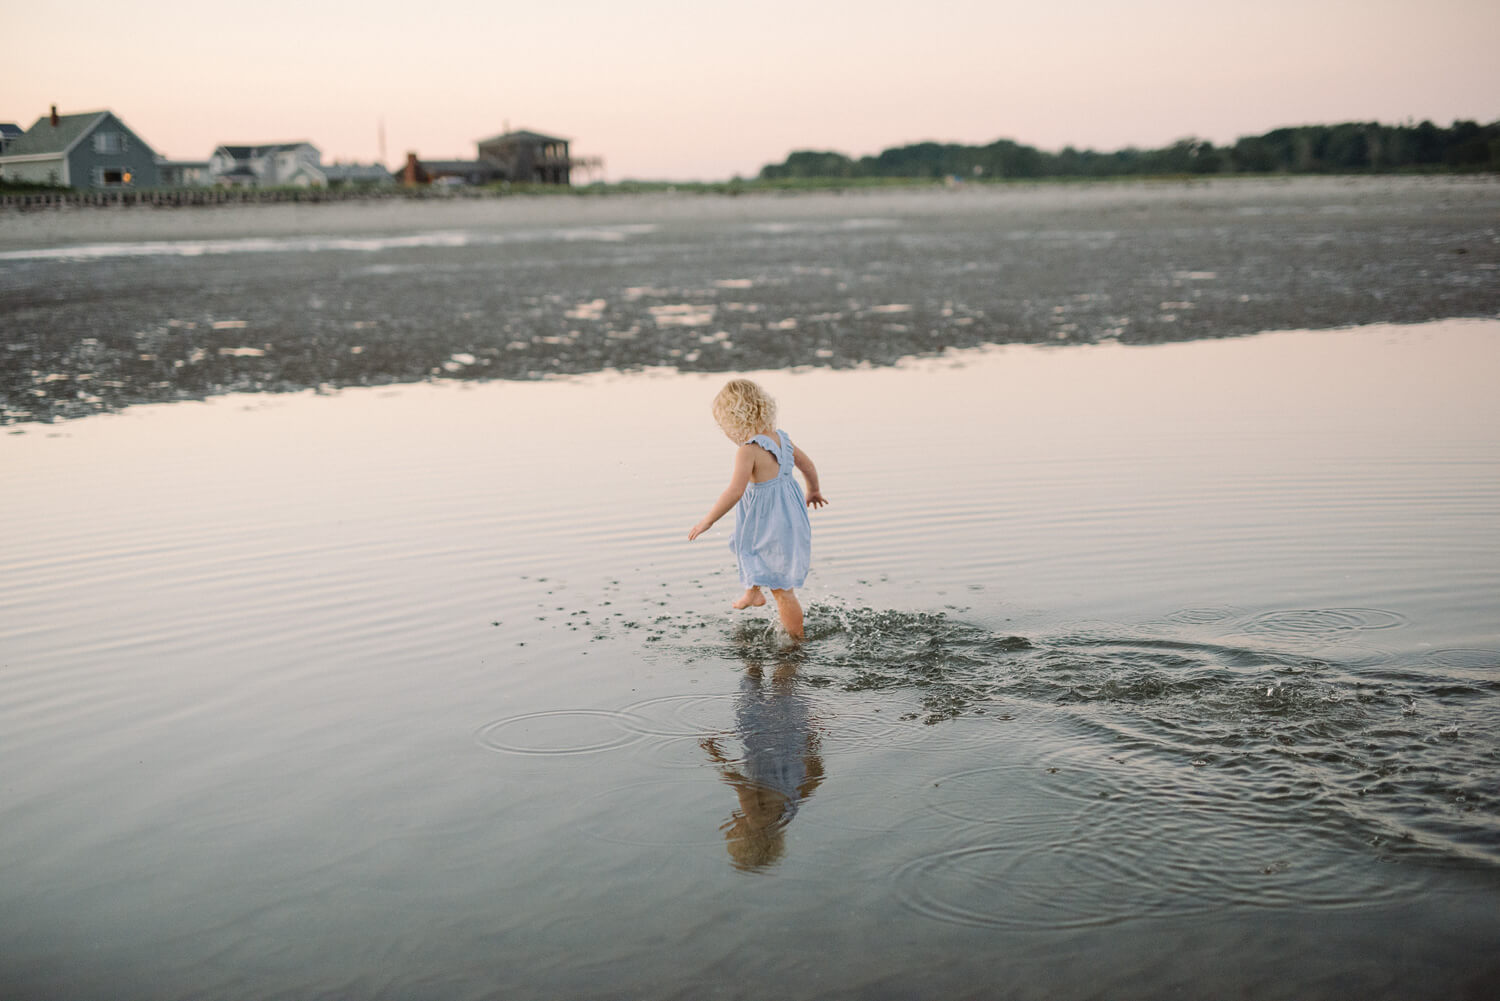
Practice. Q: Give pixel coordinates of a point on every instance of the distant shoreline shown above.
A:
(101, 220)
(29, 199)
(64, 198)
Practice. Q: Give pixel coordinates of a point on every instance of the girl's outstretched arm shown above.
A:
(744, 462)
(815, 496)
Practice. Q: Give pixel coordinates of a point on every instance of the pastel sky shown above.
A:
(688, 89)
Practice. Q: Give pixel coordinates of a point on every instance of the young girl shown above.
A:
(772, 538)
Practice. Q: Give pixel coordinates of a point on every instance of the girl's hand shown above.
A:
(699, 529)
(816, 499)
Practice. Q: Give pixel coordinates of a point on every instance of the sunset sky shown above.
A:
(684, 90)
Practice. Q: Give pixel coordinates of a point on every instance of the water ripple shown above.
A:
(1322, 623)
(1203, 615)
(1106, 875)
(561, 731)
(679, 715)
(1241, 739)
(1467, 659)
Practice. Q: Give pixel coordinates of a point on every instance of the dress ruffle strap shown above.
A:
(782, 449)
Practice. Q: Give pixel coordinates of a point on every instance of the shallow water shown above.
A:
(1133, 671)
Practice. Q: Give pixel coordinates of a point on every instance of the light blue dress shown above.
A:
(776, 727)
(772, 534)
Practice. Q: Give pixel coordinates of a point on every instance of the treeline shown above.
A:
(1354, 147)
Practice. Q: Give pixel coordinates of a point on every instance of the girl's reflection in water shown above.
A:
(781, 765)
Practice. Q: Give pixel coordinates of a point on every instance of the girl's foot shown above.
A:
(791, 612)
(750, 598)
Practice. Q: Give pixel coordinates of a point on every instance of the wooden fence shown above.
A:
(187, 197)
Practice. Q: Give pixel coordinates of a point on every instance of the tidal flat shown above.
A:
(1135, 670)
(108, 307)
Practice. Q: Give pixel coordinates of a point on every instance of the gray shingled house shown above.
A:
(90, 150)
(9, 133)
(528, 157)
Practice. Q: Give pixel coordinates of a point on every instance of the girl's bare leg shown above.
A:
(791, 612)
(752, 596)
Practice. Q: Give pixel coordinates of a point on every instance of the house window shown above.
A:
(111, 177)
(110, 142)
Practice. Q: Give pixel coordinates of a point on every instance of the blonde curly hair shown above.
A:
(744, 410)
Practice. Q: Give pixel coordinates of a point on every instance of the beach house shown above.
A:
(183, 173)
(267, 165)
(521, 157)
(9, 132)
(90, 150)
(527, 157)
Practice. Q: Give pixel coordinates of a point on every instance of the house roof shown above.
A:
(246, 151)
(523, 135)
(11, 130)
(355, 172)
(456, 166)
(44, 138)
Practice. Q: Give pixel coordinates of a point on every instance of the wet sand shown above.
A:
(110, 307)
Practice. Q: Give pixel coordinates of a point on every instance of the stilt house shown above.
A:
(528, 157)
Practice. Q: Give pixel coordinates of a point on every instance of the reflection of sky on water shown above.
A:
(1304, 464)
(1102, 637)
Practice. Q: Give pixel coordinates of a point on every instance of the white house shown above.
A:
(271, 165)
